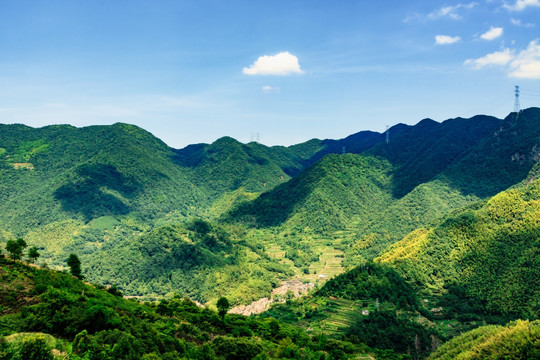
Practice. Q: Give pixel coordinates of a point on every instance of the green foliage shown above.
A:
(102, 326)
(33, 254)
(482, 259)
(74, 265)
(35, 350)
(199, 259)
(223, 306)
(386, 330)
(15, 248)
(236, 348)
(371, 281)
(516, 340)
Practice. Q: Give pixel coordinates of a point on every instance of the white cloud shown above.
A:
(527, 63)
(283, 63)
(450, 11)
(496, 58)
(492, 33)
(521, 5)
(267, 89)
(445, 39)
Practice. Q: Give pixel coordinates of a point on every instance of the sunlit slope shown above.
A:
(199, 259)
(517, 340)
(487, 254)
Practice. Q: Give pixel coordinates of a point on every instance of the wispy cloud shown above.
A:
(446, 40)
(525, 64)
(267, 89)
(492, 33)
(283, 63)
(521, 5)
(495, 58)
(517, 22)
(451, 12)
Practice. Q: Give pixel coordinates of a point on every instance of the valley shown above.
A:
(420, 239)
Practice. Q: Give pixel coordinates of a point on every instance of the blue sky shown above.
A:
(193, 71)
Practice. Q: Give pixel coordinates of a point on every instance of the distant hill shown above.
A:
(430, 169)
(307, 208)
(421, 152)
(227, 165)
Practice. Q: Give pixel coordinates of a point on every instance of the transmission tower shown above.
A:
(516, 103)
(387, 134)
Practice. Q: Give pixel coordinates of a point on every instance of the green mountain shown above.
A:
(423, 173)
(483, 258)
(449, 211)
(323, 196)
(477, 265)
(120, 198)
(423, 151)
(60, 173)
(227, 164)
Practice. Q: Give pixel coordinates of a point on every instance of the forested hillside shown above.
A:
(448, 211)
(120, 199)
(483, 258)
(60, 173)
(45, 314)
(517, 340)
(431, 169)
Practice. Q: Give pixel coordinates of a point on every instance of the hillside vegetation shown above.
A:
(422, 174)
(517, 340)
(408, 243)
(45, 312)
(483, 258)
(120, 199)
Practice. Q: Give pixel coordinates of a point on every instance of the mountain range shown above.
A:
(445, 216)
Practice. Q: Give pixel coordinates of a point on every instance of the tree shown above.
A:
(75, 265)
(35, 349)
(33, 254)
(15, 248)
(223, 306)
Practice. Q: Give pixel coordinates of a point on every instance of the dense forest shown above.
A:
(407, 244)
(46, 314)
